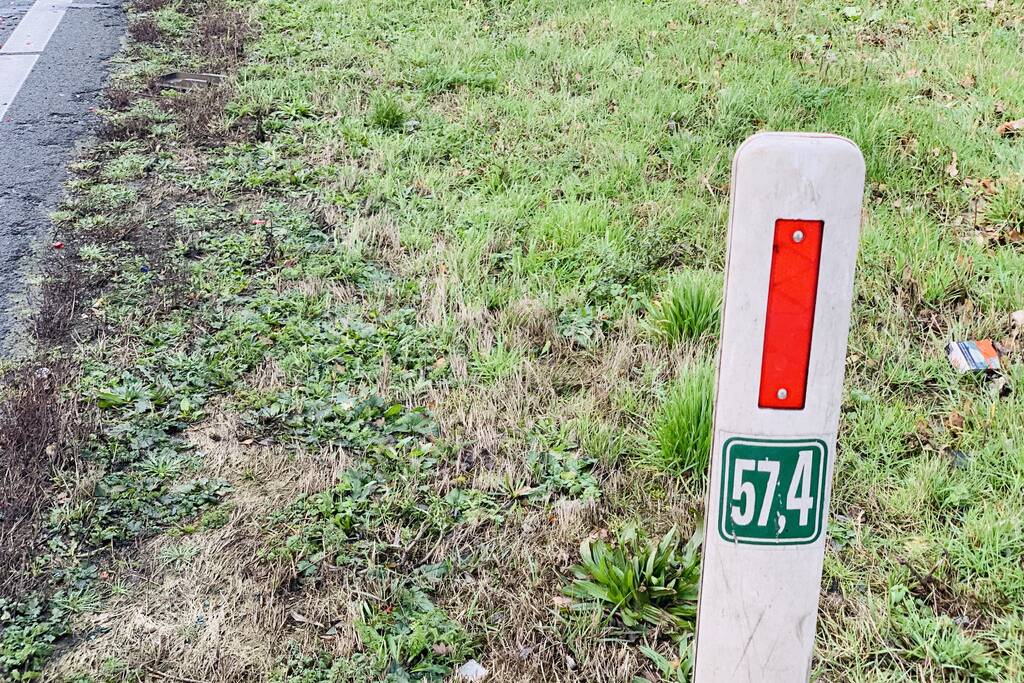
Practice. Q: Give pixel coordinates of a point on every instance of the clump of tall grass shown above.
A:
(388, 114)
(682, 425)
(689, 308)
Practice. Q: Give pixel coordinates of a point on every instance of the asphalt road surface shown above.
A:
(50, 78)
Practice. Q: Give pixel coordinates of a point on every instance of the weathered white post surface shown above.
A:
(793, 233)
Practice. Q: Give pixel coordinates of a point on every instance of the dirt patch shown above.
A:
(223, 34)
(144, 30)
(198, 112)
(41, 428)
(149, 5)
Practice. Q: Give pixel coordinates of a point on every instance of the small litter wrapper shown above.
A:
(184, 81)
(472, 671)
(973, 356)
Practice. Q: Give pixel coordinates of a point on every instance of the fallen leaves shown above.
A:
(989, 235)
(951, 170)
(1012, 341)
(993, 226)
(1010, 128)
(1017, 321)
(562, 602)
(300, 619)
(985, 186)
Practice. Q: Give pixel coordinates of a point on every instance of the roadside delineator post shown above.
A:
(793, 231)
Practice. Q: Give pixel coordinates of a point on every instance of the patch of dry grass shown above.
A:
(41, 428)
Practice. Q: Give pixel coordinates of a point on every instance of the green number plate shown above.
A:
(773, 491)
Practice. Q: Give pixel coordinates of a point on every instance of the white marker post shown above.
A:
(793, 232)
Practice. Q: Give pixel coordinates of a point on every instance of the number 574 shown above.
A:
(772, 492)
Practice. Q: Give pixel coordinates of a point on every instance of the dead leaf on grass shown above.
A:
(995, 236)
(982, 185)
(952, 169)
(562, 602)
(1016, 326)
(299, 619)
(1017, 321)
(1001, 387)
(1009, 128)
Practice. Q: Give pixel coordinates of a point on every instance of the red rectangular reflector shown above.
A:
(789, 322)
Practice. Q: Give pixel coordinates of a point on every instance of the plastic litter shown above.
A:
(186, 80)
(472, 671)
(974, 356)
(961, 459)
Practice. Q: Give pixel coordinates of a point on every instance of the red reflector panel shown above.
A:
(789, 323)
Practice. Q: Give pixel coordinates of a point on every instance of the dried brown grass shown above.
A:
(200, 113)
(221, 615)
(41, 428)
(222, 35)
(226, 616)
(524, 561)
(144, 30)
(149, 5)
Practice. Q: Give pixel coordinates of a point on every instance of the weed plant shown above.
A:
(638, 583)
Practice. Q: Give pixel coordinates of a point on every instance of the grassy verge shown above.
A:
(392, 352)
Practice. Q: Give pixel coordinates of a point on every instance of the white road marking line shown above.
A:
(14, 69)
(19, 54)
(34, 31)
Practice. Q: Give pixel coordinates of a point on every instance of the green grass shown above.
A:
(682, 423)
(388, 114)
(375, 348)
(689, 308)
